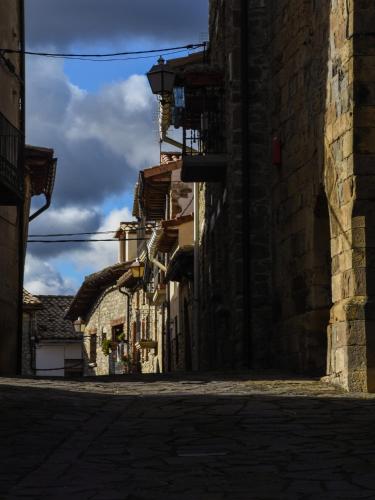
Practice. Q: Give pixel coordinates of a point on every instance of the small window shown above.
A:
(118, 333)
(93, 347)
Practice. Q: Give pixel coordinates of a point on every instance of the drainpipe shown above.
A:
(246, 257)
(21, 205)
(196, 278)
(41, 209)
(158, 264)
(168, 332)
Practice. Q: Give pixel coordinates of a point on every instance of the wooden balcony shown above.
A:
(204, 168)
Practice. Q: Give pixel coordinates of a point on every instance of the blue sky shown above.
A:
(98, 116)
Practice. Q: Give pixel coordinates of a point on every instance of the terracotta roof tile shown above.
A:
(166, 157)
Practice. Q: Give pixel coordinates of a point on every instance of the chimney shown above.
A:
(131, 245)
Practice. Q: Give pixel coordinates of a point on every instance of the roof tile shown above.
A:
(50, 320)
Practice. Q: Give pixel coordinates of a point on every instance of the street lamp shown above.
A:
(79, 325)
(137, 269)
(161, 78)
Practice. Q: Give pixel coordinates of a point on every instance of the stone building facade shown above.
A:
(290, 276)
(25, 171)
(163, 200)
(106, 321)
(11, 185)
(103, 312)
(147, 324)
(278, 138)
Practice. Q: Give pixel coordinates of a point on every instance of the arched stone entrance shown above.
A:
(321, 294)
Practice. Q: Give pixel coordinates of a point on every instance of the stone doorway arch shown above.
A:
(321, 288)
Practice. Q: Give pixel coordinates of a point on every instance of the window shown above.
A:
(93, 347)
(118, 333)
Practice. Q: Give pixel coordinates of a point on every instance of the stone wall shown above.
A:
(235, 247)
(10, 282)
(181, 304)
(309, 93)
(28, 331)
(300, 226)
(147, 322)
(364, 193)
(322, 94)
(109, 310)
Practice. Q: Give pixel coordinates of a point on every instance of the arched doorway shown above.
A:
(321, 289)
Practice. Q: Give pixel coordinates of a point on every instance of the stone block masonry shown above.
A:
(107, 311)
(311, 272)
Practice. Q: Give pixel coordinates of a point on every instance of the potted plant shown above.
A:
(126, 361)
(107, 346)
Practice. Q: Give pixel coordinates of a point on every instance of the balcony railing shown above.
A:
(203, 122)
(204, 140)
(11, 179)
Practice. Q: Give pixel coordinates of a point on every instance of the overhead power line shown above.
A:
(86, 241)
(55, 235)
(190, 46)
(111, 59)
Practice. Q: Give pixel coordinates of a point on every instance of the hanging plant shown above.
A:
(121, 336)
(107, 346)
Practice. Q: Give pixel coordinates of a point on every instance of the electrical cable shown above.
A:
(190, 46)
(76, 365)
(81, 234)
(85, 241)
(116, 58)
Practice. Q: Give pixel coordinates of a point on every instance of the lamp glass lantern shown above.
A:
(79, 325)
(161, 78)
(137, 269)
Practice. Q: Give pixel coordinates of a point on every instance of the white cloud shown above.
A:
(62, 220)
(119, 116)
(101, 139)
(98, 255)
(42, 279)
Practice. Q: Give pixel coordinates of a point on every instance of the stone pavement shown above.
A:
(188, 437)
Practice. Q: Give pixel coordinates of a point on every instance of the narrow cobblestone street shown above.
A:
(202, 437)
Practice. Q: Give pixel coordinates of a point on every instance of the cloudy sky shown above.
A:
(98, 116)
